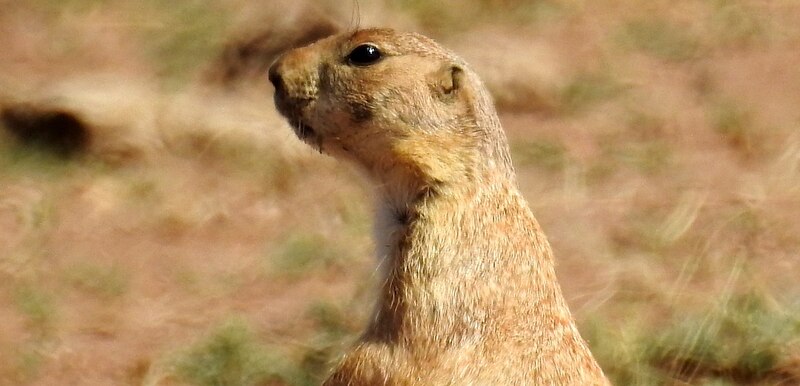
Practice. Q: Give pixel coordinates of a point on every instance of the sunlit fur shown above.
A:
(469, 295)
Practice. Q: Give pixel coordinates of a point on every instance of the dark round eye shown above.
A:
(364, 55)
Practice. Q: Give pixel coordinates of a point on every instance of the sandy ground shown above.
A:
(658, 143)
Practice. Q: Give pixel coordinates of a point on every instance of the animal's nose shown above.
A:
(275, 76)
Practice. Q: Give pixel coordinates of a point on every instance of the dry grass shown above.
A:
(193, 240)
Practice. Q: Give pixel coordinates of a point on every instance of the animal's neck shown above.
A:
(462, 260)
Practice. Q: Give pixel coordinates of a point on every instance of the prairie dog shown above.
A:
(470, 295)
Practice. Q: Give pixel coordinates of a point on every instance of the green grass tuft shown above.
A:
(735, 24)
(39, 308)
(736, 126)
(188, 35)
(748, 339)
(745, 338)
(17, 159)
(588, 89)
(106, 282)
(231, 355)
(332, 328)
(438, 16)
(647, 157)
(659, 39)
(548, 155)
(301, 253)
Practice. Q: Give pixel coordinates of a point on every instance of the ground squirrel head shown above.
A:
(395, 103)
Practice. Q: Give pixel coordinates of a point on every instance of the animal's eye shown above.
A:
(364, 55)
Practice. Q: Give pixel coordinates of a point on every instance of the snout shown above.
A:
(284, 98)
(294, 80)
(293, 69)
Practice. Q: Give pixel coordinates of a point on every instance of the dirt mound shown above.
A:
(122, 120)
(111, 117)
(521, 73)
(249, 53)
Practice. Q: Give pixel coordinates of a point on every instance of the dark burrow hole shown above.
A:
(53, 130)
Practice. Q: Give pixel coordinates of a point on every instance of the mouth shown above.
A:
(292, 110)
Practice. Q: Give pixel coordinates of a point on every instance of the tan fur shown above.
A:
(470, 295)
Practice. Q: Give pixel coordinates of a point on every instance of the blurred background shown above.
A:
(161, 225)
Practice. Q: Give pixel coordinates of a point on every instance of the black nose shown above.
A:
(275, 75)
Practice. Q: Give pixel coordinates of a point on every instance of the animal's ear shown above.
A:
(449, 82)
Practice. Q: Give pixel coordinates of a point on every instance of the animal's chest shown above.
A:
(389, 231)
